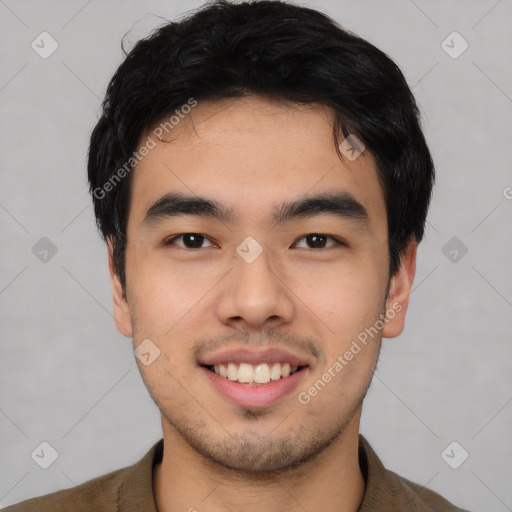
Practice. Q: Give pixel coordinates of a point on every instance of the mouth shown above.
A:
(254, 377)
(238, 383)
(254, 374)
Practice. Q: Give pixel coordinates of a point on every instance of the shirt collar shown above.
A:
(378, 494)
(136, 492)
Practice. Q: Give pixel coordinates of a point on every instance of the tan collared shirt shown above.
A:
(131, 490)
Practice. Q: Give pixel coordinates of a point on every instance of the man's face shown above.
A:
(211, 296)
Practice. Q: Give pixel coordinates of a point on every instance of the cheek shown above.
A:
(170, 305)
(165, 291)
(343, 296)
(349, 305)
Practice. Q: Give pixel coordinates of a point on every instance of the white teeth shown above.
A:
(232, 371)
(275, 373)
(247, 373)
(262, 374)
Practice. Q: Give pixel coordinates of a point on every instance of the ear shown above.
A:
(399, 291)
(122, 316)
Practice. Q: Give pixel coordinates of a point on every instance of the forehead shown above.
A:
(252, 154)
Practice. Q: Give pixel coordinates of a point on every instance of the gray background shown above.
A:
(69, 378)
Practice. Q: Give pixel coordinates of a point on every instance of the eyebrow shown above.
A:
(339, 204)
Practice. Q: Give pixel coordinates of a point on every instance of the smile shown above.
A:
(247, 373)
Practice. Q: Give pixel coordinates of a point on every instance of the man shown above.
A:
(262, 182)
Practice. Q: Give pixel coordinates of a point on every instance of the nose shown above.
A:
(253, 296)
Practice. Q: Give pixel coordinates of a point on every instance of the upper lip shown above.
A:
(244, 355)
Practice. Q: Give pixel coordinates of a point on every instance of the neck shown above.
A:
(332, 481)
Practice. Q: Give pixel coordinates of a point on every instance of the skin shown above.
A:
(252, 154)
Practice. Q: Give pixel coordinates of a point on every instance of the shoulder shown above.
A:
(388, 491)
(99, 494)
(418, 497)
(129, 488)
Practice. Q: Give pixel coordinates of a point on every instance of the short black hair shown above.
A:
(279, 51)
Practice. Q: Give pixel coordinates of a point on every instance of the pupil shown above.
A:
(193, 240)
(317, 240)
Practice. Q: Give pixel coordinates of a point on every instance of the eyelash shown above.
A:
(337, 242)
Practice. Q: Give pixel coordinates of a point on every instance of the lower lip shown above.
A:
(246, 395)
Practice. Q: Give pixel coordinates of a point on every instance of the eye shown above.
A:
(317, 241)
(188, 241)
